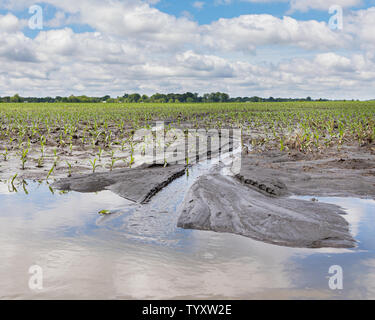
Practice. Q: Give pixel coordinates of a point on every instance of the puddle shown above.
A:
(137, 252)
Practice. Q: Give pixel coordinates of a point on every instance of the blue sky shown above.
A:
(243, 47)
(212, 10)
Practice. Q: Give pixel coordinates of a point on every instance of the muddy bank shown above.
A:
(255, 202)
(222, 204)
(346, 174)
(137, 184)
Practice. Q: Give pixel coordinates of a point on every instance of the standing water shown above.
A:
(137, 252)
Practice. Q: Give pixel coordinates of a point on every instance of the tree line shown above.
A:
(187, 97)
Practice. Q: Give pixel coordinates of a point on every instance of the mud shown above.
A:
(138, 184)
(222, 204)
(348, 174)
(256, 203)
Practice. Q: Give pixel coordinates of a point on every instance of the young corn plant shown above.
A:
(5, 154)
(24, 185)
(112, 163)
(282, 145)
(12, 186)
(56, 158)
(100, 153)
(94, 165)
(131, 162)
(24, 157)
(69, 169)
(40, 163)
(51, 170)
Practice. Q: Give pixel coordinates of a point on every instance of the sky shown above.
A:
(279, 48)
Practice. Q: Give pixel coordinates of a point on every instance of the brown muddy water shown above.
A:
(138, 252)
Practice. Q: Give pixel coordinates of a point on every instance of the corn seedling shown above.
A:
(93, 164)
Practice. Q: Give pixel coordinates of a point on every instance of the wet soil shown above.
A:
(255, 202)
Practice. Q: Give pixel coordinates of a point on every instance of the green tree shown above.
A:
(16, 98)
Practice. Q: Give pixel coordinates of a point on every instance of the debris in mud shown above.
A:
(104, 212)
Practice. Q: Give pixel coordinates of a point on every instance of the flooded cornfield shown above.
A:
(138, 252)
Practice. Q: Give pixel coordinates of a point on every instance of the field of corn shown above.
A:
(73, 138)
